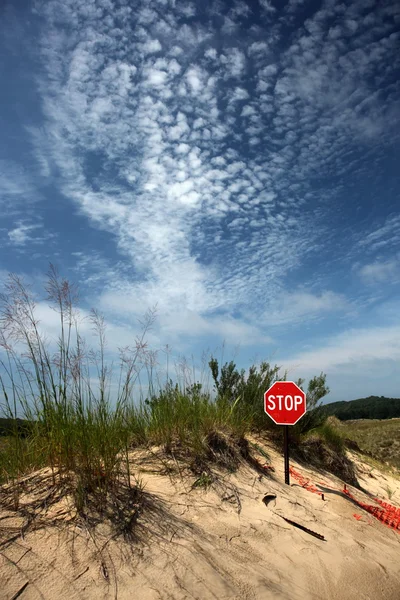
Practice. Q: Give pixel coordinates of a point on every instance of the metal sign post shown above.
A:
(286, 453)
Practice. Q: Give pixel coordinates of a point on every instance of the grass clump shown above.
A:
(315, 451)
(193, 426)
(72, 425)
(332, 437)
(233, 386)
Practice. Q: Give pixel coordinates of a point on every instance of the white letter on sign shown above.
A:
(280, 401)
(271, 403)
(289, 402)
(297, 401)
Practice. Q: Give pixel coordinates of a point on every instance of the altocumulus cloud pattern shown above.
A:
(233, 161)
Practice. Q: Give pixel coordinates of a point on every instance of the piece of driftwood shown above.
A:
(19, 592)
(317, 535)
(10, 540)
(81, 573)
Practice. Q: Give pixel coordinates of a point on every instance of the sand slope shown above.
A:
(195, 543)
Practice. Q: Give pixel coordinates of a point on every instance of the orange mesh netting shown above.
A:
(305, 483)
(385, 512)
(388, 514)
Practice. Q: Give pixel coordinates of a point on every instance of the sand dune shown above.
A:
(223, 543)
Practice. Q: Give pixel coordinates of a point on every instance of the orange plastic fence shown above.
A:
(388, 514)
(389, 507)
(305, 483)
(385, 512)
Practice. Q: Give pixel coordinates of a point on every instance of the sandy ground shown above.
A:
(196, 543)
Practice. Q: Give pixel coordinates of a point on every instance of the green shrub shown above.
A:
(248, 391)
(332, 437)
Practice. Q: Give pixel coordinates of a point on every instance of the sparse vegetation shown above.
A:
(59, 411)
(389, 492)
(379, 438)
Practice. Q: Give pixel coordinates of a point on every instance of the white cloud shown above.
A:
(156, 78)
(381, 271)
(238, 95)
(267, 6)
(388, 234)
(234, 61)
(194, 78)
(174, 67)
(303, 306)
(211, 53)
(18, 189)
(257, 47)
(355, 349)
(151, 46)
(21, 234)
(180, 324)
(247, 111)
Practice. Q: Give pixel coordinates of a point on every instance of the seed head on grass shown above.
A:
(74, 427)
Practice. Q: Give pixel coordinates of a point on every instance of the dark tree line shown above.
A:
(373, 407)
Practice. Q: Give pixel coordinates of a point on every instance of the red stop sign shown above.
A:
(285, 402)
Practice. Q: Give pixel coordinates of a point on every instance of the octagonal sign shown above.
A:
(285, 402)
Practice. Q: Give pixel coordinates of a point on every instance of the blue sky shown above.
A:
(236, 163)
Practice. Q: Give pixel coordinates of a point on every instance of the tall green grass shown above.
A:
(74, 427)
(187, 417)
